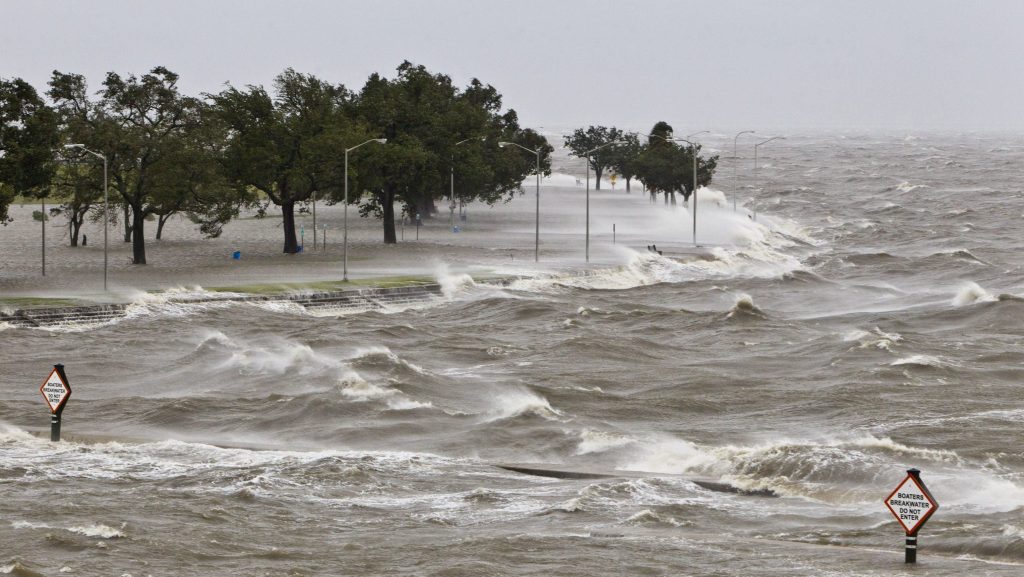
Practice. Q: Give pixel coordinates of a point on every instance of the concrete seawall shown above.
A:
(369, 298)
(354, 299)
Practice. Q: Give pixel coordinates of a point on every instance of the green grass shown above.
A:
(37, 302)
(326, 286)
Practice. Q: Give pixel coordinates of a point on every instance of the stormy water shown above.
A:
(868, 321)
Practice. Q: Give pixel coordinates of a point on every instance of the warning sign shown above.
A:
(55, 390)
(911, 503)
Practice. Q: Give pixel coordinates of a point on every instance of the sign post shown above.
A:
(912, 505)
(56, 390)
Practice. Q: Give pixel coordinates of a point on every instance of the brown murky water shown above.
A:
(867, 322)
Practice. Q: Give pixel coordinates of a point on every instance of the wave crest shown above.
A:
(744, 307)
(522, 402)
(970, 294)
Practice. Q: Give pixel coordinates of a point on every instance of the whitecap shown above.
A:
(666, 455)
(98, 530)
(970, 294)
(452, 284)
(744, 306)
(355, 388)
(876, 338)
(601, 441)
(924, 361)
(649, 516)
(907, 187)
(520, 402)
(1013, 531)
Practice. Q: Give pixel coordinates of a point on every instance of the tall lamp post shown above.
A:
(694, 145)
(536, 234)
(106, 219)
(735, 166)
(345, 234)
(587, 164)
(755, 164)
(451, 196)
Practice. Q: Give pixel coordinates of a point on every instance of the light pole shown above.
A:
(451, 196)
(536, 234)
(735, 164)
(106, 216)
(587, 165)
(755, 164)
(345, 234)
(314, 221)
(694, 145)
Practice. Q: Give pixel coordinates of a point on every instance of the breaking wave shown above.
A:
(520, 403)
(875, 338)
(971, 294)
(840, 471)
(600, 441)
(924, 361)
(744, 307)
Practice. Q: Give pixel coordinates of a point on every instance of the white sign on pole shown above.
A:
(911, 504)
(55, 390)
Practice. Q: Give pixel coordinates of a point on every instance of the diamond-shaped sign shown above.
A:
(911, 503)
(55, 390)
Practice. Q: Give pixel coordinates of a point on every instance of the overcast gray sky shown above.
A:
(760, 64)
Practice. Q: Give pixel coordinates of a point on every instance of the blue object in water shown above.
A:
(237, 255)
(456, 229)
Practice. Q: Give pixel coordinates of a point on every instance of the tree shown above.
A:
(665, 166)
(423, 115)
(75, 185)
(288, 147)
(192, 180)
(139, 124)
(624, 157)
(28, 139)
(580, 141)
(485, 172)
(78, 182)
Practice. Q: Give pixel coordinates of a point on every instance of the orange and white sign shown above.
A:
(911, 504)
(55, 390)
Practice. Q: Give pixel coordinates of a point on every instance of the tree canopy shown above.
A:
(150, 135)
(424, 115)
(583, 140)
(204, 157)
(28, 138)
(624, 157)
(664, 165)
(288, 146)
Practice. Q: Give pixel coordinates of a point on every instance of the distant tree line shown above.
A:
(663, 163)
(210, 155)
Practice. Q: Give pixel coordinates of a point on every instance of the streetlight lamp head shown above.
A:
(381, 140)
(502, 144)
(74, 146)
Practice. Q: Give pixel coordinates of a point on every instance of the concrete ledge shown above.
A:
(355, 298)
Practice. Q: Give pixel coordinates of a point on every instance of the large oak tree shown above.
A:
(666, 166)
(424, 116)
(288, 146)
(583, 140)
